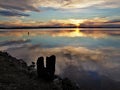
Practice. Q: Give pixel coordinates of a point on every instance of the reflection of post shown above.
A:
(28, 33)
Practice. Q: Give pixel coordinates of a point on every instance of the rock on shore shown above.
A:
(15, 75)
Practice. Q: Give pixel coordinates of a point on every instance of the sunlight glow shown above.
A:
(77, 33)
(76, 22)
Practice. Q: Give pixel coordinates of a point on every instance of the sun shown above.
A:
(76, 22)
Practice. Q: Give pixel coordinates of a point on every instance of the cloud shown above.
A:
(33, 5)
(12, 13)
(17, 23)
(26, 5)
(18, 7)
(67, 4)
(109, 4)
(114, 21)
(73, 4)
(93, 22)
(100, 22)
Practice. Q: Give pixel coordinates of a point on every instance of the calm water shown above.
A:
(92, 53)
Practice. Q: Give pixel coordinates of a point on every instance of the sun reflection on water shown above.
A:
(74, 33)
(77, 33)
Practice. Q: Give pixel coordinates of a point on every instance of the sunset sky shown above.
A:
(60, 13)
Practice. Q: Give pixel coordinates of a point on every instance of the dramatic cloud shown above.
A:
(109, 4)
(17, 7)
(12, 13)
(67, 4)
(95, 22)
(33, 5)
(20, 7)
(24, 5)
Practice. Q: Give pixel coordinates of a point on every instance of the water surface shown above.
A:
(82, 54)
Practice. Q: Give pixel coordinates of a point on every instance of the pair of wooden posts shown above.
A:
(47, 72)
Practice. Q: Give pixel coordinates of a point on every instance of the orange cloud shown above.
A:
(95, 22)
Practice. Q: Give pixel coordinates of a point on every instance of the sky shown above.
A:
(84, 13)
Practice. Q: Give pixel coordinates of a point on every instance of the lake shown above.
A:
(90, 54)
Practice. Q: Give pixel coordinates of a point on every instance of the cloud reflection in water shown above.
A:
(73, 60)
